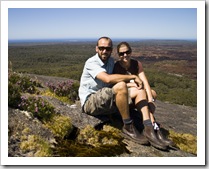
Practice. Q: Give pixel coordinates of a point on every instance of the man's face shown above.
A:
(104, 49)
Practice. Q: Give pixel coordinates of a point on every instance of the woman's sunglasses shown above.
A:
(126, 52)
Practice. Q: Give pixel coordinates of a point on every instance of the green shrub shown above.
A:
(174, 89)
(38, 107)
(25, 84)
(60, 126)
(37, 146)
(184, 141)
(14, 96)
(95, 138)
(67, 88)
(93, 143)
(18, 84)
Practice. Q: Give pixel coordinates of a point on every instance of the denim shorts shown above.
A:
(100, 103)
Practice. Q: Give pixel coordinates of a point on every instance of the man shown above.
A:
(101, 92)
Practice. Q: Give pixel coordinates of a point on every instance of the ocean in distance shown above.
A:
(43, 41)
(48, 40)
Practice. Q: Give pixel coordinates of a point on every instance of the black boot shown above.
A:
(163, 139)
(151, 136)
(133, 134)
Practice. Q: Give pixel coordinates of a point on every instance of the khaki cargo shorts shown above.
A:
(101, 103)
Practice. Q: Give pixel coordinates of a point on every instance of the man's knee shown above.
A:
(120, 87)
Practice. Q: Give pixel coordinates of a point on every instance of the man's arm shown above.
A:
(115, 78)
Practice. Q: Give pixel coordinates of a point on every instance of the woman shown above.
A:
(127, 65)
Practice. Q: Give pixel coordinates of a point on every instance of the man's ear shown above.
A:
(97, 49)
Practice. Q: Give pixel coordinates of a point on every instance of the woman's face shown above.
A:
(124, 54)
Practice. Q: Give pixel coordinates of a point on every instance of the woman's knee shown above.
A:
(142, 93)
(136, 93)
(154, 94)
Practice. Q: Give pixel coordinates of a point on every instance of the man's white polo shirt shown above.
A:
(89, 83)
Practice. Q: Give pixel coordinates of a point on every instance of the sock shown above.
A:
(156, 127)
(127, 121)
(147, 122)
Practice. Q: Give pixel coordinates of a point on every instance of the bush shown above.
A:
(25, 84)
(60, 126)
(178, 90)
(37, 145)
(18, 84)
(38, 107)
(14, 96)
(67, 88)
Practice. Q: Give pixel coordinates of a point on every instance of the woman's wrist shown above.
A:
(152, 100)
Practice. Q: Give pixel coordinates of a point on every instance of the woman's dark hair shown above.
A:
(123, 44)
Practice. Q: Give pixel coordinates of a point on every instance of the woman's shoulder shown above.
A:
(135, 62)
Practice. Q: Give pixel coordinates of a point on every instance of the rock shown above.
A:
(181, 119)
(18, 121)
(79, 120)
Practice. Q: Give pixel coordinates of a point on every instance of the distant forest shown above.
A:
(171, 66)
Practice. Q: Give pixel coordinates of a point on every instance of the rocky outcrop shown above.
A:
(181, 119)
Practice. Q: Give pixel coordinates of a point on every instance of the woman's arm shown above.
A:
(147, 88)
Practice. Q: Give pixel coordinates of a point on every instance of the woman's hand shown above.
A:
(138, 82)
(132, 84)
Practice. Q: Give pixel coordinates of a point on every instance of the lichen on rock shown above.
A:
(60, 126)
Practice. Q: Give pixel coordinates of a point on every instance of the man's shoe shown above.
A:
(133, 134)
(151, 136)
(163, 139)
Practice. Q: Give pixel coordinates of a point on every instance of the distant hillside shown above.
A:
(170, 65)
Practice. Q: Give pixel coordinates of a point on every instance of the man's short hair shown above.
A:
(105, 37)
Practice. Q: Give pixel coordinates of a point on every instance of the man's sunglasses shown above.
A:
(126, 52)
(102, 48)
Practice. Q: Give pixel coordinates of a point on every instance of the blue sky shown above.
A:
(53, 23)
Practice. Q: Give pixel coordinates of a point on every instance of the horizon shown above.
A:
(93, 39)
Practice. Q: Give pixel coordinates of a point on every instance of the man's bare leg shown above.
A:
(121, 99)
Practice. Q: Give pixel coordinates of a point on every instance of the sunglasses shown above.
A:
(102, 48)
(126, 52)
